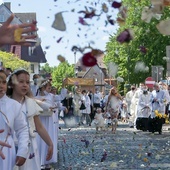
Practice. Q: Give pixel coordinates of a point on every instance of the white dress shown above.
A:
(13, 121)
(99, 120)
(51, 125)
(114, 105)
(29, 110)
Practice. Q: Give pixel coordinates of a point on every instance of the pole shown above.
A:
(75, 63)
(157, 74)
(101, 78)
(128, 67)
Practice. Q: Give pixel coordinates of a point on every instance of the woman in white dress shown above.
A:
(18, 89)
(50, 122)
(113, 105)
(11, 120)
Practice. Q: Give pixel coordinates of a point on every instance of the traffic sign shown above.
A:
(149, 82)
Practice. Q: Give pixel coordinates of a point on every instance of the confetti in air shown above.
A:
(59, 23)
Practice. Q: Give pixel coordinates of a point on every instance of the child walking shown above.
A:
(11, 119)
(99, 120)
(18, 89)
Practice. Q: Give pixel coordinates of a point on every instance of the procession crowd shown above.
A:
(142, 108)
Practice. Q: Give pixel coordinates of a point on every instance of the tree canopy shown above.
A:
(146, 35)
(12, 61)
(60, 72)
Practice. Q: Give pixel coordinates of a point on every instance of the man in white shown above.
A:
(135, 101)
(158, 99)
(128, 97)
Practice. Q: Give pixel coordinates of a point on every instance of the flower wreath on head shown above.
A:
(44, 83)
(13, 78)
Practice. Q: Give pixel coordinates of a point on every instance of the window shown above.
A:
(30, 50)
(2, 18)
(32, 68)
(13, 49)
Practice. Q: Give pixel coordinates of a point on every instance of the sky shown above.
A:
(96, 33)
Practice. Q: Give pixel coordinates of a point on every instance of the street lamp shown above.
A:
(75, 69)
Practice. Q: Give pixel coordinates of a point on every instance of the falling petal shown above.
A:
(166, 2)
(88, 60)
(157, 157)
(111, 21)
(148, 153)
(64, 140)
(140, 66)
(125, 36)
(120, 21)
(145, 159)
(147, 14)
(47, 47)
(112, 69)
(163, 27)
(121, 161)
(59, 23)
(105, 8)
(116, 4)
(61, 58)
(59, 39)
(82, 21)
(113, 165)
(143, 49)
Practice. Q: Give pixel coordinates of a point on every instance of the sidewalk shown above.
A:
(82, 149)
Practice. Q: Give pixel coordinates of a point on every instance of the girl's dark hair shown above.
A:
(2, 71)
(10, 84)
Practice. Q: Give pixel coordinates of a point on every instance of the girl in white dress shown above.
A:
(113, 106)
(18, 89)
(50, 123)
(11, 120)
(99, 120)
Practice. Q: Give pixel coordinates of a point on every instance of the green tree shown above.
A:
(46, 68)
(12, 61)
(59, 73)
(145, 34)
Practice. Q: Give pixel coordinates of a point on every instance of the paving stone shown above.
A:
(128, 149)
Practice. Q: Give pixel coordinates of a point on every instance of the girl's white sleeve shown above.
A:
(22, 134)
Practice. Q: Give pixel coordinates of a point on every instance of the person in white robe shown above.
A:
(134, 103)
(19, 83)
(50, 122)
(129, 95)
(144, 110)
(12, 120)
(77, 96)
(158, 99)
